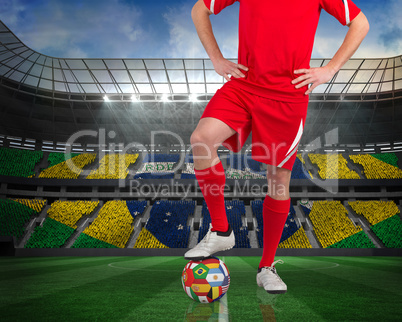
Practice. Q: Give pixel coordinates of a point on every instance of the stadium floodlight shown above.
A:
(134, 98)
(165, 98)
(106, 99)
(193, 97)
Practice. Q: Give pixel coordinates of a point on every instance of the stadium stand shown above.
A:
(242, 174)
(298, 171)
(235, 209)
(70, 212)
(14, 215)
(52, 234)
(384, 220)
(188, 171)
(60, 223)
(375, 211)
(35, 204)
(390, 158)
(18, 163)
(377, 167)
(242, 166)
(293, 236)
(113, 166)
(389, 231)
(157, 166)
(69, 169)
(332, 225)
(167, 226)
(242, 162)
(332, 166)
(85, 241)
(57, 157)
(113, 225)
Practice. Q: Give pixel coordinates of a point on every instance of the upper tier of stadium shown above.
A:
(49, 98)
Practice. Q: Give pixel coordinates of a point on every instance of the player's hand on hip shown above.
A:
(228, 69)
(313, 76)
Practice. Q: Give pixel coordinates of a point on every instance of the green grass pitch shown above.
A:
(149, 289)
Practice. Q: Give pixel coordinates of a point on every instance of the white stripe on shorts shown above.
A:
(295, 144)
(212, 6)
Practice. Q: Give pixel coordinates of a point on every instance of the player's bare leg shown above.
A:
(275, 211)
(205, 140)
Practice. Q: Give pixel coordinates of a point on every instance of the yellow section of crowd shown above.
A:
(147, 240)
(35, 204)
(376, 169)
(297, 240)
(69, 212)
(113, 224)
(375, 211)
(69, 169)
(332, 166)
(113, 166)
(331, 222)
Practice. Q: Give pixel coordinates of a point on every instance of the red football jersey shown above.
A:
(276, 38)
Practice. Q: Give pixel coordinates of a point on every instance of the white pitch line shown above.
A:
(242, 271)
(224, 316)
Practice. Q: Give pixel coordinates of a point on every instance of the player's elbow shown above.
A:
(365, 26)
(361, 23)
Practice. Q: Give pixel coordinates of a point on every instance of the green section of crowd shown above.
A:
(14, 216)
(390, 232)
(359, 240)
(18, 163)
(85, 241)
(52, 234)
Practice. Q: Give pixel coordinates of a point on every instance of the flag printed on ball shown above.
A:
(205, 281)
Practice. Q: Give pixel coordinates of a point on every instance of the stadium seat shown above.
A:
(113, 166)
(332, 224)
(14, 215)
(293, 236)
(167, 226)
(374, 168)
(157, 166)
(235, 211)
(384, 219)
(18, 163)
(332, 166)
(60, 223)
(113, 224)
(298, 170)
(69, 169)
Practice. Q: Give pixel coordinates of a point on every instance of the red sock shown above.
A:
(274, 214)
(212, 183)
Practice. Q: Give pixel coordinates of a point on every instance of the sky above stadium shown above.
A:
(164, 29)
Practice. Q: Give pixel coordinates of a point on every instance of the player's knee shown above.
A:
(200, 139)
(278, 175)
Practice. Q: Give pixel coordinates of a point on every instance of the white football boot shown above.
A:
(268, 278)
(213, 242)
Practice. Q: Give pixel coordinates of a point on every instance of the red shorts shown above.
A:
(276, 126)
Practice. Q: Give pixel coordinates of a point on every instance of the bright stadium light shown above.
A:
(193, 97)
(134, 98)
(106, 99)
(165, 98)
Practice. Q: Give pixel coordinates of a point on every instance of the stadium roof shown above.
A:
(175, 77)
(48, 99)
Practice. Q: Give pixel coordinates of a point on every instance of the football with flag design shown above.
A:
(205, 281)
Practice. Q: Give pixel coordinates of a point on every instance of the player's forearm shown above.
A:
(358, 29)
(200, 15)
